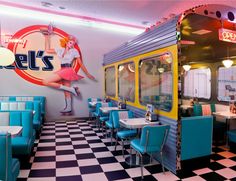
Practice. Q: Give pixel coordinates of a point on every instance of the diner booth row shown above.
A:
(181, 66)
(20, 123)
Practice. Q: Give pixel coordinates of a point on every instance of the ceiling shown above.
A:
(207, 47)
(134, 12)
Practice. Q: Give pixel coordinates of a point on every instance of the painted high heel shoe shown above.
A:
(77, 91)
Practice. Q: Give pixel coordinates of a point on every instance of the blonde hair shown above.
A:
(65, 40)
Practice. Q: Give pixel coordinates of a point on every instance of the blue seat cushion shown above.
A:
(126, 134)
(21, 146)
(109, 124)
(15, 168)
(92, 110)
(232, 135)
(95, 114)
(104, 118)
(136, 145)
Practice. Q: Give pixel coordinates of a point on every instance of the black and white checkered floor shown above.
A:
(76, 150)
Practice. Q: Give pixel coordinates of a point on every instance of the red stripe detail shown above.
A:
(88, 18)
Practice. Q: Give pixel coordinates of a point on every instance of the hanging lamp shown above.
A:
(227, 62)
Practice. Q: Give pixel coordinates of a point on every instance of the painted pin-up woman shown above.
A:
(62, 79)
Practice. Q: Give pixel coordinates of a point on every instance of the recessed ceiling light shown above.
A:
(62, 7)
(145, 23)
(46, 4)
(201, 32)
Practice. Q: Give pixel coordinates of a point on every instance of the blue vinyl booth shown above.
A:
(25, 105)
(92, 109)
(196, 137)
(22, 144)
(232, 139)
(218, 127)
(41, 99)
(9, 167)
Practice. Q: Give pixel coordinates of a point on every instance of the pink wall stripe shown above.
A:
(10, 4)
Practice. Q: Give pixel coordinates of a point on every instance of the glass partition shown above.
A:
(126, 75)
(227, 83)
(197, 83)
(155, 81)
(110, 81)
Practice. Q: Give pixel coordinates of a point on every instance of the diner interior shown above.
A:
(102, 96)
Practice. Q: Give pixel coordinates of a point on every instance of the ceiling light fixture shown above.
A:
(227, 62)
(201, 32)
(7, 57)
(161, 69)
(187, 67)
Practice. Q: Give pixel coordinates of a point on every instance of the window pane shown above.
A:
(110, 81)
(127, 81)
(156, 81)
(197, 83)
(227, 83)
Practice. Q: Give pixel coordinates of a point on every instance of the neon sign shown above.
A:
(227, 35)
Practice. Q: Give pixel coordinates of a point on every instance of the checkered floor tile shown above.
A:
(77, 150)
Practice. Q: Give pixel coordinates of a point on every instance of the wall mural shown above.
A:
(48, 56)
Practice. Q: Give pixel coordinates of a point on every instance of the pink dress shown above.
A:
(67, 72)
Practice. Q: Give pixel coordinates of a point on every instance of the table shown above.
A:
(136, 123)
(228, 116)
(109, 109)
(13, 130)
(94, 103)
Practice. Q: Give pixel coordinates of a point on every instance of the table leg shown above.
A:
(227, 129)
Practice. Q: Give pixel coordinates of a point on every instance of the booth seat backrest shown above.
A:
(18, 118)
(4, 98)
(208, 109)
(6, 156)
(203, 109)
(94, 99)
(41, 99)
(28, 105)
(117, 115)
(196, 136)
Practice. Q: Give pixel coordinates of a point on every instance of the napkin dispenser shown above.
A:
(151, 117)
(122, 104)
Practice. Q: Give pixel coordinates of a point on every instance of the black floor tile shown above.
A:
(216, 157)
(43, 173)
(115, 175)
(213, 176)
(63, 164)
(63, 143)
(85, 156)
(65, 152)
(91, 169)
(45, 159)
(46, 148)
(185, 174)
(215, 166)
(100, 149)
(107, 160)
(145, 178)
(69, 178)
